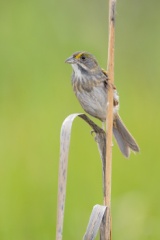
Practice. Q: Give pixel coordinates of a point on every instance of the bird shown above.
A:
(90, 84)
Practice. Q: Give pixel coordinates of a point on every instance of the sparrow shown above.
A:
(90, 85)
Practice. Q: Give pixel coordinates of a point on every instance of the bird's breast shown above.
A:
(93, 100)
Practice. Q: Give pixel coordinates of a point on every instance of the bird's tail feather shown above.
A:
(123, 137)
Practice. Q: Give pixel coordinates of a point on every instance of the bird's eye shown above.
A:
(83, 57)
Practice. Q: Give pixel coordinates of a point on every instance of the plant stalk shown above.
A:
(109, 123)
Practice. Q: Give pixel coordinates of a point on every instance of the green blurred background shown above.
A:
(35, 97)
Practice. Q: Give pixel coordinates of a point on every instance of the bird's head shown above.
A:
(83, 61)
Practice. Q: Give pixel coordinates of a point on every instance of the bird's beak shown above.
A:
(70, 60)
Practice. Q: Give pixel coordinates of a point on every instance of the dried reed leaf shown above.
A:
(64, 150)
(94, 222)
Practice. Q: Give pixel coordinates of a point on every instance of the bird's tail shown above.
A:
(123, 137)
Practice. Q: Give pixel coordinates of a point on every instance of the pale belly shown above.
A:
(95, 102)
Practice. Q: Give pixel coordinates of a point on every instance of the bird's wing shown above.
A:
(107, 85)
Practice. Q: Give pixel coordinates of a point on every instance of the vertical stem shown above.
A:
(109, 121)
(109, 116)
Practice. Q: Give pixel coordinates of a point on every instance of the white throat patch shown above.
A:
(76, 70)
